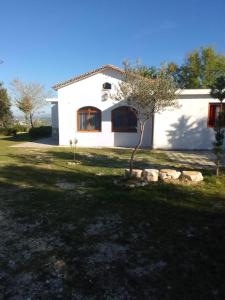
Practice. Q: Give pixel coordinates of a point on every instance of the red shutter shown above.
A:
(211, 115)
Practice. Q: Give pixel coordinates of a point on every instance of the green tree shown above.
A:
(199, 70)
(145, 96)
(175, 71)
(212, 66)
(5, 112)
(149, 72)
(191, 70)
(218, 92)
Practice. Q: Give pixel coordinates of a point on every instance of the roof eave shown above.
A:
(193, 91)
(85, 75)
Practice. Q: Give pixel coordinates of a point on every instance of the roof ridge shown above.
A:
(85, 75)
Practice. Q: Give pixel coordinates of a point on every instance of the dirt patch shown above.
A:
(78, 187)
(108, 252)
(148, 269)
(66, 185)
(20, 251)
(103, 225)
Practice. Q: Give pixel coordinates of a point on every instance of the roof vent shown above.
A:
(107, 86)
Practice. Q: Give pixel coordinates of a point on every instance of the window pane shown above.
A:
(89, 119)
(124, 120)
(217, 111)
(117, 120)
(131, 121)
(83, 121)
(94, 121)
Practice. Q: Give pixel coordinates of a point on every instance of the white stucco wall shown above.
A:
(186, 126)
(54, 117)
(88, 92)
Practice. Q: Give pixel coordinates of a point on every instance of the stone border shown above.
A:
(147, 176)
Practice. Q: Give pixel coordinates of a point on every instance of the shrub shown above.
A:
(20, 128)
(8, 131)
(39, 132)
(13, 130)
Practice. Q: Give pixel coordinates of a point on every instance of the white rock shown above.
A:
(131, 185)
(192, 176)
(176, 175)
(136, 173)
(150, 175)
(73, 163)
(169, 174)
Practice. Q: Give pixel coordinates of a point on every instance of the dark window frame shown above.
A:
(211, 114)
(89, 110)
(124, 110)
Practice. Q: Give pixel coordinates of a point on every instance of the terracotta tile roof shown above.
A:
(85, 75)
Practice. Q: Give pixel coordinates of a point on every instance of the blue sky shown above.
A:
(51, 40)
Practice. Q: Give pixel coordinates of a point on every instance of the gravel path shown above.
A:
(42, 143)
(192, 158)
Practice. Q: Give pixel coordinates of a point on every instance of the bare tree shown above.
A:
(29, 98)
(145, 97)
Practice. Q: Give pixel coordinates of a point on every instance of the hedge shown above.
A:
(39, 132)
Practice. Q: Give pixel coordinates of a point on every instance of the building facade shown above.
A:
(86, 110)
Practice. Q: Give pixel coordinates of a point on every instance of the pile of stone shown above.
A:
(166, 174)
(192, 176)
(153, 175)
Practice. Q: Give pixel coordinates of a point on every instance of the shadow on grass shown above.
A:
(21, 137)
(44, 178)
(159, 224)
(112, 159)
(25, 137)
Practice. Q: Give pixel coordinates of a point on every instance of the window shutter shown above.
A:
(213, 113)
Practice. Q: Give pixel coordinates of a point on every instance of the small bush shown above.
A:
(39, 132)
(8, 131)
(3, 131)
(13, 129)
(20, 128)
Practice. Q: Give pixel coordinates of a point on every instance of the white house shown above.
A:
(85, 110)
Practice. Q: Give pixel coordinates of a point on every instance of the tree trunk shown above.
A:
(31, 121)
(142, 127)
(217, 171)
(220, 121)
(3, 124)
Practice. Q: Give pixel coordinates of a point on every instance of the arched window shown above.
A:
(124, 119)
(107, 86)
(89, 119)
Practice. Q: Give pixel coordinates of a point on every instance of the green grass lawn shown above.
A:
(67, 232)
